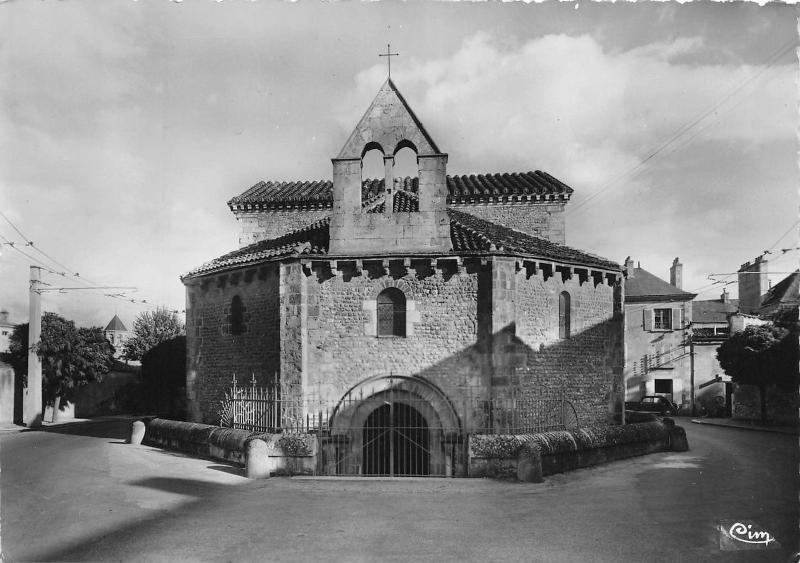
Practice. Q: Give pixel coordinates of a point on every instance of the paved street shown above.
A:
(82, 494)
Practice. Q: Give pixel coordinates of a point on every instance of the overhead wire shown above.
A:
(681, 131)
(69, 272)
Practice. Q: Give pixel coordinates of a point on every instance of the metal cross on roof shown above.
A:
(389, 56)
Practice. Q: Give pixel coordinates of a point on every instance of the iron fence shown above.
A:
(394, 432)
(271, 409)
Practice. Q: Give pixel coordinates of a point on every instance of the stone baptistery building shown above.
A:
(393, 317)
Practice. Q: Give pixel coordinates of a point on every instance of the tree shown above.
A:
(762, 356)
(71, 356)
(150, 329)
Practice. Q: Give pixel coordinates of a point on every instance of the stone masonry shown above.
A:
(459, 293)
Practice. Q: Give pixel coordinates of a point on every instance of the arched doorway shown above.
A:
(396, 441)
(394, 425)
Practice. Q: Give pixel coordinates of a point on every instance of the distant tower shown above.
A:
(117, 334)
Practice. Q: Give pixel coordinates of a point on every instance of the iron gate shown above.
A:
(395, 428)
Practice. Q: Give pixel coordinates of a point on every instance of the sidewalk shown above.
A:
(9, 428)
(746, 425)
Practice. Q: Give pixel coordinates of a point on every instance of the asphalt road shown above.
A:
(82, 494)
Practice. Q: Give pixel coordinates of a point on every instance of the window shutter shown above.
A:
(648, 319)
(676, 319)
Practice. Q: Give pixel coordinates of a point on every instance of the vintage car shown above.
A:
(654, 404)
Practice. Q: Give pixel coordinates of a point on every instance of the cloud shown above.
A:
(590, 115)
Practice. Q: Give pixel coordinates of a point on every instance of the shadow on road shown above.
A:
(124, 542)
(227, 469)
(117, 429)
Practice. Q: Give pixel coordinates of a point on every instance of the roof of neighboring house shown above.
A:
(468, 234)
(471, 189)
(713, 311)
(644, 286)
(116, 324)
(786, 291)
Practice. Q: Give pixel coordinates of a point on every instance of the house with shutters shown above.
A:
(658, 315)
(395, 316)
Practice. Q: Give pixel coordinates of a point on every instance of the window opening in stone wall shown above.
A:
(237, 315)
(391, 312)
(405, 163)
(662, 319)
(563, 315)
(372, 167)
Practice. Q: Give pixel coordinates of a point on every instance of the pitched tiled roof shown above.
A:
(525, 186)
(786, 291)
(713, 311)
(465, 190)
(644, 286)
(116, 324)
(468, 234)
(312, 240)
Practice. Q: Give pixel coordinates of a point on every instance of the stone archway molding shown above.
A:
(348, 412)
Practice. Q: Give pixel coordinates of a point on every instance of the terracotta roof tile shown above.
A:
(483, 188)
(468, 234)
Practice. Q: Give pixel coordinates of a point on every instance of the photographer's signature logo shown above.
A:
(745, 534)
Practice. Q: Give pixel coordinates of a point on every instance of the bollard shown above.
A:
(529, 464)
(257, 463)
(137, 432)
(677, 439)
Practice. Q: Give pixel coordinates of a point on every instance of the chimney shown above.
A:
(725, 297)
(4, 317)
(753, 284)
(629, 267)
(676, 274)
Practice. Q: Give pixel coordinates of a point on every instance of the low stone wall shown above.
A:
(286, 454)
(529, 457)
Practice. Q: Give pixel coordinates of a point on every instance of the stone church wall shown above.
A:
(588, 364)
(475, 332)
(440, 345)
(213, 353)
(543, 220)
(264, 225)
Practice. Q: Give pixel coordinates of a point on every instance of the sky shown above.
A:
(126, 126)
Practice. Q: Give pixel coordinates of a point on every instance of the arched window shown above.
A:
(237, 315)
(391, 312)
(563, 315)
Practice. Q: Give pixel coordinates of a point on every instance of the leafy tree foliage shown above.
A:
(761, 355)
(164, 377)
(150, 329)
(71, 356)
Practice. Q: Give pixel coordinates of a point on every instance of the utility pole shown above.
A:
(691, 372)
(32, 401)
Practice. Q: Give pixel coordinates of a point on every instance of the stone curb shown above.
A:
(778, 430)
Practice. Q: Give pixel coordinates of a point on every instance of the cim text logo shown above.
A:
(745, 534)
